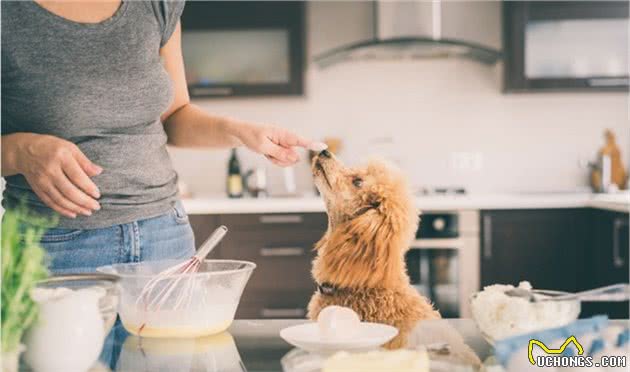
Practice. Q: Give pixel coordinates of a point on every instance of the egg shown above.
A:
(338, 323)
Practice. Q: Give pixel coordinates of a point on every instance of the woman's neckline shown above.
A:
(85, 25)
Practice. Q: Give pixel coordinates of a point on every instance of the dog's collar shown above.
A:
(327, 289)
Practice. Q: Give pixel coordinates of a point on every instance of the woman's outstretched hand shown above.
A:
(58, 172)
(275, 143)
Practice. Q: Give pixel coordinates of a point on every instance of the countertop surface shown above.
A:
(218, 204)
(253, 346)
(256, 346)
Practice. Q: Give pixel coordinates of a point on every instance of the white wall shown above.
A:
(429, 110)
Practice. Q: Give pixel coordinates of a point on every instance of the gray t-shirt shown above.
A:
(101, 86)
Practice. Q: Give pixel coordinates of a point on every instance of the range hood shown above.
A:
(400, 31)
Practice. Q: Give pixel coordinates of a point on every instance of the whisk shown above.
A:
(159, 289)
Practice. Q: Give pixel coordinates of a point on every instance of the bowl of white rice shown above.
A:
(500, 316)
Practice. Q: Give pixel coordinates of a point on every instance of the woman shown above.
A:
(92, 91)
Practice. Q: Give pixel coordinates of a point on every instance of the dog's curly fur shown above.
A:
(371, 221)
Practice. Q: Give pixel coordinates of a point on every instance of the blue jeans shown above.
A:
(168, 236)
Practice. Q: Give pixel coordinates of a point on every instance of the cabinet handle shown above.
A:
(618, 261)
(210, 91)
(487, 237)
(280, 218)
(282, 251)
(607, 82)
(283, 313)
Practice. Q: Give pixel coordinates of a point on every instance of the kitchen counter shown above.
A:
(248, 345)
(256, 346)
(216, 204)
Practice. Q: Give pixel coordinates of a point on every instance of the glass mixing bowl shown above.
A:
(198, 304)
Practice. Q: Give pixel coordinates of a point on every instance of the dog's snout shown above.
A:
(325, 154)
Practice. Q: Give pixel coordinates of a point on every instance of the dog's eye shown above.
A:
(357, 182)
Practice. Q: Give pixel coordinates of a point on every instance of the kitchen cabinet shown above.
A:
(560, 249)
(244, 48)
(203, 226)
(565, 45)
(545, 247)
(607, 260)
(281, 245)
(563, 249)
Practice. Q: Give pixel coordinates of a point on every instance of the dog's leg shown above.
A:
(315, 305)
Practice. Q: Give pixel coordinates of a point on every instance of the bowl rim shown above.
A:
(544, 292)
(110, 269)
(79, 277)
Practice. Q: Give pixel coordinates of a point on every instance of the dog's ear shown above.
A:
(372, 201)
(322, 242)
(363, 252)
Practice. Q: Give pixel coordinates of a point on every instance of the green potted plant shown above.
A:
(23, 265)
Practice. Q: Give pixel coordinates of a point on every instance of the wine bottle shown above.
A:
(234, 178)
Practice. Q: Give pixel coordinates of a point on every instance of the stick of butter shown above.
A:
(380, 360)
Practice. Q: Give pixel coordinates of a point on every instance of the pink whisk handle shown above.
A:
(211, 242)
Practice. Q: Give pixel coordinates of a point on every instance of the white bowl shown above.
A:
(108, 304)
(520, 316)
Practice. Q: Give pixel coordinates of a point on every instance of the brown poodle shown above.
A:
(360, 260)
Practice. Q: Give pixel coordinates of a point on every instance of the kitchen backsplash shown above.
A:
(445, 122)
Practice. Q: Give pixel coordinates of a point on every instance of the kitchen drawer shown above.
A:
(287, 273)
(256, 244)
(274, 304)
(272, 221)
(283, 259)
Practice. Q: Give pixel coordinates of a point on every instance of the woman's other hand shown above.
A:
(57, 171)
(277, 144)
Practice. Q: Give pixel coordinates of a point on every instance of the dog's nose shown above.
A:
(325, 154)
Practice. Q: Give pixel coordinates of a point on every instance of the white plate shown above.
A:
(369, 336)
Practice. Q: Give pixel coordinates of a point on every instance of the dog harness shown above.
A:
(327, 289)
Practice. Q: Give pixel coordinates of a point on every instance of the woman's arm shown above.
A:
(187, 125)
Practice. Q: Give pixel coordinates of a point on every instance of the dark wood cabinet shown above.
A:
(565, 45)
(558, 249)
(203, 226)
(607, 260)
(545, 247)
(563, 249)
(281, 245)
(244, 48)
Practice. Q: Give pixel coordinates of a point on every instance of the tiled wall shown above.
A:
(424, 114)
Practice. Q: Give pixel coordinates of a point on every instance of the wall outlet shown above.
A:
(467, 161)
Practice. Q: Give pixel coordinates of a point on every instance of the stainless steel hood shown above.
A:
(400, 32)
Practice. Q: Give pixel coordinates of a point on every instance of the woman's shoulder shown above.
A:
(15, 12)
(167, 13)
(165, 10)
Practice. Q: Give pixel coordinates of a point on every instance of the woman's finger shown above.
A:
(90, 168)
(77, 175)
(280, 153)
(317, 146)
(290, 139)
(51, 203)
(57, 196)
(74, 195)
